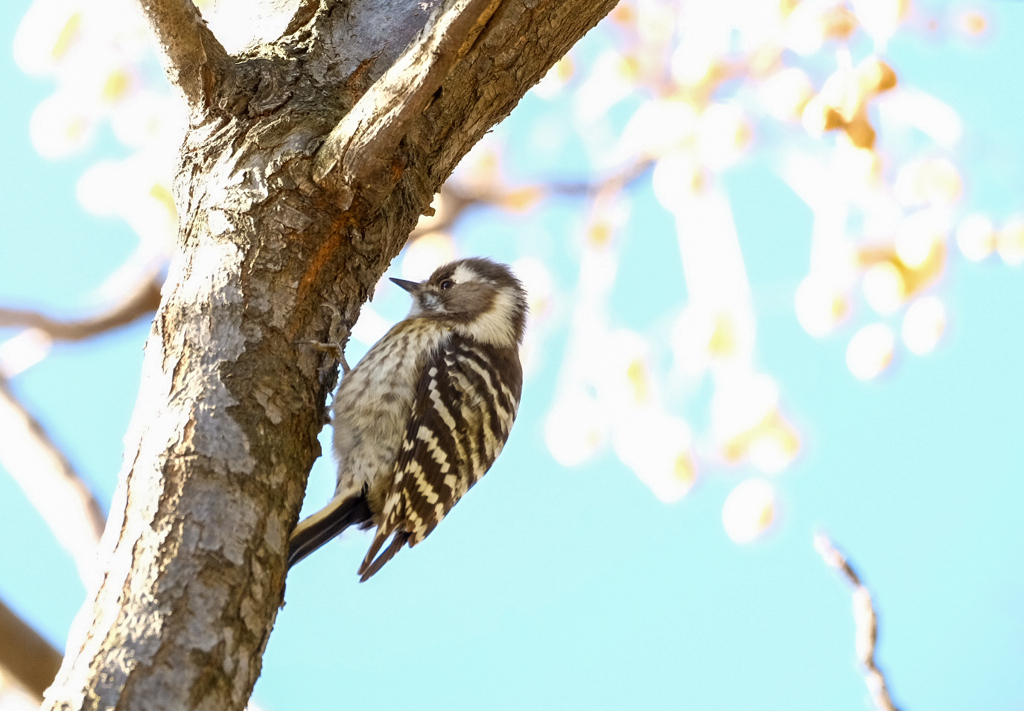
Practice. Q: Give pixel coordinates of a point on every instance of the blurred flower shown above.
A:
(810, 24)
(834, 106)
(1010, 241)
(820, 305)
(918, 256)
(870, 351)
(875, 76)
(702, 338)
(976, 237)
(775, 446)
(924, 324)
(138, 190)
(480, 169)
(656, 447)
(370, 327)
(741, 403)
(915, 108)
(657, 127)
(918, 237)
(623, 14)
(676, 176)
(723, 136)
(540, 288)
(693, 66)
(60, 127)
(972, 23)
(574, 429)
(884, 288)
(929, 181)
(749, 510)
(147, 118)
(785, 93)
(521, 199)
(425, 253)
(540, 293)
(47, 34)
(557, 78)
(879, 18)
(612, 79)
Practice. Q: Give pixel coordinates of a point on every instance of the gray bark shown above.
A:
(307, 164)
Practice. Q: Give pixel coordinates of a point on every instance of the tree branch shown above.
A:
(865, 620)
(141, 301)
(455, 199)
(50, 483)
(25, 654)
(361, 146)
(194, 60)
(232, 398)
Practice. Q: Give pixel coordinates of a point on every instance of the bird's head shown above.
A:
(479, 298)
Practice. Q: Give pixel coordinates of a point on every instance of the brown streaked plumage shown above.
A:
(426, 412)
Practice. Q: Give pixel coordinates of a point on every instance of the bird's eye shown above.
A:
(447, 284)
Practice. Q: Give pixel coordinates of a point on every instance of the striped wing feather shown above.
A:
(466, 401)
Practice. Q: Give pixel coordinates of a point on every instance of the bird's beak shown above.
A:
(411, 286)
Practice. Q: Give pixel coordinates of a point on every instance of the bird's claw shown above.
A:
(338, 334)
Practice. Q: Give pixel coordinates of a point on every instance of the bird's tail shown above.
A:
(339, 514)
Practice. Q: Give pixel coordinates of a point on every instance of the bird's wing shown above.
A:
(465, 403)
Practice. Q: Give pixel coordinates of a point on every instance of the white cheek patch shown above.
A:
(495, 325)
(463, 274)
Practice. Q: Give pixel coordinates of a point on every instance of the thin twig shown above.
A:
(143, 300)
(455, 199)
(29, 658)
(865, 620)
(193, 58)
(50, 483)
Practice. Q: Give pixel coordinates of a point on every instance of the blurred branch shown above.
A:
(50, 483)
(455, 199)
(29, 658)
(142, 301)
(866, 622)
(194, 60)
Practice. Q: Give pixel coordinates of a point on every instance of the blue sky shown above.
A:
(551, 588)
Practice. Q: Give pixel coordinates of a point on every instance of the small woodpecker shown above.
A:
(425, 413)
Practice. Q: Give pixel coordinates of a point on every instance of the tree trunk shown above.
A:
(307, 164)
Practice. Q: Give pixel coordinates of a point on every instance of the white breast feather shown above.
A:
(372, 407)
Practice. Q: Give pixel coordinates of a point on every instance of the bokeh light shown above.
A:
(923, 325)
(749, 510)
(870, 351)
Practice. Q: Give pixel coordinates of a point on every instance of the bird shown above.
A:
(425, 413)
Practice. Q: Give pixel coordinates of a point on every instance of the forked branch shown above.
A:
(357, 155)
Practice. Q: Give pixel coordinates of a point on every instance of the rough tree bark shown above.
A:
(306, 165)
